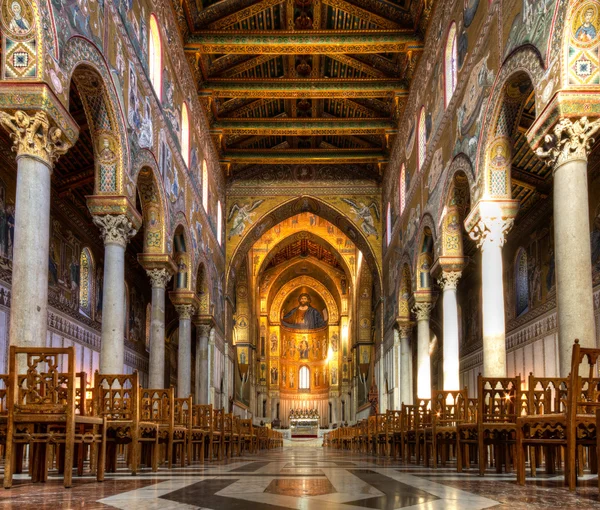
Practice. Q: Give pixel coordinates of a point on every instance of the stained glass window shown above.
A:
(155, 56)
(450, 61)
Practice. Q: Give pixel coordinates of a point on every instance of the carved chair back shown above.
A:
(394, 420)
(49, 385)
(546, 395)
(202, 417)
(157, 405)
(117, 396)
(585, 398)
(448, 408)
(183, 412)
(499, 399)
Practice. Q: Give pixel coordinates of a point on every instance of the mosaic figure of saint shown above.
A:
(587, 31)
(18, 24)
(303, 316)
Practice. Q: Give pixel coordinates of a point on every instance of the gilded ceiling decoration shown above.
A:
(299, 81)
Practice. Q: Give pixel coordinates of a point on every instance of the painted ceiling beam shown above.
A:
(289, 157)
(303, 127)
(358, 65)
(281, 88)
(244, 14)
(291, 42)
(361, 13)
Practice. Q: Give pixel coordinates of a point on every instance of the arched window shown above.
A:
(219, 222)
(155, 56)
(388, 219)
(86, 283)
(522, 282)
(422, 138)
(450, 62)
(204, 186)
(402, 188)
(304, 378)
(148, 324)
(185, 135)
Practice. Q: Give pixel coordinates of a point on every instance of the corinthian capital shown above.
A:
(491, 231)
(115, 229)
(449, 279)
(185, 311)
(405, 330)
(159, 277)
(35, 136)
(422, 310)
(569, 141)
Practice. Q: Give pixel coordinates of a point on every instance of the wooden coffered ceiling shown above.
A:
(288, 81)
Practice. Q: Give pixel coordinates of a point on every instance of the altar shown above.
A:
(304, 423)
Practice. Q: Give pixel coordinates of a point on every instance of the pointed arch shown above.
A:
(152, 199)
(203, 289)
(521, 282)
(205, 186)
(421, 138)
(84, 64)
(155, 56)
(86, 283)
(182, 256)
(450, 63)
(388, 224)
(185, 135)
(402, 190)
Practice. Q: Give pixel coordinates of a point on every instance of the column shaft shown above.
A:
(423, 359)
(184, 366)
(573, 260)
(449, 281)
(112, 349)
(492, 290)
(29, 294)
(406, 384)
(157, 338)
(202, 353)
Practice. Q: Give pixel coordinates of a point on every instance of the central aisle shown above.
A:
(303, 476)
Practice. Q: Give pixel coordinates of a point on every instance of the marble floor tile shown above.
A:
(302, 479)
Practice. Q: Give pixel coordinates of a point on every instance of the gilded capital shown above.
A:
(405, 330)
(185, 311)
(115, 229)
(491, 231)
(159, 277)
(35, 136)
(448, 280)
(422, 310)
(569, 141)
(204, 330)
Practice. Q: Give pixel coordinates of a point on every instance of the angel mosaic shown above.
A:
(363, 211)
(241, 215)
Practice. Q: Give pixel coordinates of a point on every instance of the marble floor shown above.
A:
(302, 476)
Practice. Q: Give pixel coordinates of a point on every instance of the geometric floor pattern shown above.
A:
(303, 478)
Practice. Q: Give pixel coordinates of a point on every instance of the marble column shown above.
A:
(566, 152)
(184, 353)
(490, 235)
(203, 331)
(159, 279)
(406, 381)
(397, 370)
(37, 144)
(449, 281)
(116, 232)
(423, 311)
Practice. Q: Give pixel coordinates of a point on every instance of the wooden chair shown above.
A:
(572, 429)
(448, 410)
(158, 406)
(262, 437)
(544, 396)
(183, 418)
(202, 429)
(499, 402)
(217, 434)
(247, 436)
(409, 431)
(422, 421)
(117, 400)
(41, 411)
(394, 422)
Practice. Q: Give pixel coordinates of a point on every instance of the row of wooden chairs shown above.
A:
(51, 412)
(554, 420)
